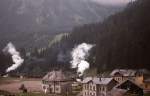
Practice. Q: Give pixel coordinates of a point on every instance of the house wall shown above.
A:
(119, 78)
(89, 89)
(102, 90)
(76, 87)
(94, 90)
(139, 80)
(66, 88)
(45, 88)
(137, 77)
(57, 88)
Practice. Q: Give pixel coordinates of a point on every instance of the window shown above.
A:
(93, 94)
(43, 81)
(90, 94)
(84, 87)
(56, 83)
(44, 87)
(94, 88)
(102, 88)
(146, 86)
(90, 87)
(56, 89)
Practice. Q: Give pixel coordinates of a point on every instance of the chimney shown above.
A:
(100, 77)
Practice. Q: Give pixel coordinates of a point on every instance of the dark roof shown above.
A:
(117, 92)
(123, 72)
(96, 80)
(55, 76)
(129, 72)
(117, 86)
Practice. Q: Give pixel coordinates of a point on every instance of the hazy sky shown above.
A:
(114, 2)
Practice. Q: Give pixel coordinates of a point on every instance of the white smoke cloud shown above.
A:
(10, 48)
(79, 54)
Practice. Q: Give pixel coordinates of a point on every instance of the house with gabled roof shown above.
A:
(55, 82)
(130, 88)
(96, 86)
(121, 75)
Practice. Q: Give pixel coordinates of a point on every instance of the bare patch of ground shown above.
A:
(12, 85)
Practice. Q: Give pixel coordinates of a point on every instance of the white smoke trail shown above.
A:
(10, 48)
(79, 54)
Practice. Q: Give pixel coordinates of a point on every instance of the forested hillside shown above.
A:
(5, 62)
(122, 41)
(124, 38)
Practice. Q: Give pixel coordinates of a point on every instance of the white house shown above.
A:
(55, 82)
(122, 75)
(94, 86)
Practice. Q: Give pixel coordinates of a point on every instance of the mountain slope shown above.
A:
(124, 41)
(21, 20)
(52, 14)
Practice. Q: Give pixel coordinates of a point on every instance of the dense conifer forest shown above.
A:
(122, 41)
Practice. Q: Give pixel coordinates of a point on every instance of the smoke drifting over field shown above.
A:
(10, 48)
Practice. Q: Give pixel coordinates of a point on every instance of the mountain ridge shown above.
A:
(46, 17)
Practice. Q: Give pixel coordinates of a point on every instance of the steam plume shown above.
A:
(79, 54)
(10, 48)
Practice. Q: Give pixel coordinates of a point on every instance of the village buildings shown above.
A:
(96, 86)
(55, 82)
(123, 81)
(120, 81)
(121, 75)
(129, 88)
